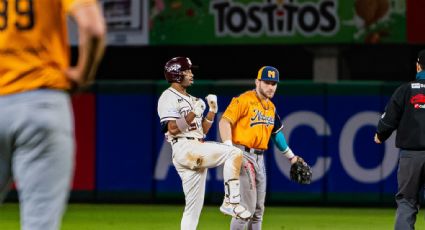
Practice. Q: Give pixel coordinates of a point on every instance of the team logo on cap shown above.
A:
(174, 67)
(268, 73)
(271, 74)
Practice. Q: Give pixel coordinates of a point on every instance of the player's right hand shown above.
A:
(199, 107)
(74, 75)
(212, 102)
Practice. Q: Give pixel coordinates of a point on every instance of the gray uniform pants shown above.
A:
(253, 191)
(37, 149)
(411, 180)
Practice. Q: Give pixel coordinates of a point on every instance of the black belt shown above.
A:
(255, 151)
(176, 139)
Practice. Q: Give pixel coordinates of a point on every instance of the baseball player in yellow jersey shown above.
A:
(36, 122)
(248, 123)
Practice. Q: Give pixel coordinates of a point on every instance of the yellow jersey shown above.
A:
(253, 120)
(34, 48)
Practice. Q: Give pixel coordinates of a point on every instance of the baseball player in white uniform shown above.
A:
(182, 121)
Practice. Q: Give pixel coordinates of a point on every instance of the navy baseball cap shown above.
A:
(268, 73)
(421, 57)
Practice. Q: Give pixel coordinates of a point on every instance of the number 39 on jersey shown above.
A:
(17, 13)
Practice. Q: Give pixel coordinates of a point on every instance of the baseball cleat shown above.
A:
(235, 210)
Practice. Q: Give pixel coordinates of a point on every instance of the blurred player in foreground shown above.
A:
(36, 122)
(248, 123)
(185, 127)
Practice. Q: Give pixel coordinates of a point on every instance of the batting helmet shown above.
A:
(173, 69)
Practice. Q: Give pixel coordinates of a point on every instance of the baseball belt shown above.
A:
(251, 150)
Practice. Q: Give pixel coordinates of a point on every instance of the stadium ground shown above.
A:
(167, 217)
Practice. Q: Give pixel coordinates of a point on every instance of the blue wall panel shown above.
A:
(124, 142)
(330, 128)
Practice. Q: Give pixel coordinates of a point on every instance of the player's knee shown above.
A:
(237, 157)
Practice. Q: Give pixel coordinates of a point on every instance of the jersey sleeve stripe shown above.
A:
(280, 128)
(168, 118)
(229, 119)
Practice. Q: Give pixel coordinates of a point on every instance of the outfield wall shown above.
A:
(122, 156)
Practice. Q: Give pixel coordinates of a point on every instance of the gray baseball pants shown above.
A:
(37, 150)
(411, 181)
(253, 191)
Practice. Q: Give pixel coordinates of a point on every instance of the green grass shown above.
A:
(167, 217)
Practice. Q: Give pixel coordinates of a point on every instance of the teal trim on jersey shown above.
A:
(420, 75)
(280, 141)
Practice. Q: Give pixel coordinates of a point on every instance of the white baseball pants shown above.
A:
(191, 159)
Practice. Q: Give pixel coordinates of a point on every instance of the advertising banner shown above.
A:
(126, 21)
(277, 21)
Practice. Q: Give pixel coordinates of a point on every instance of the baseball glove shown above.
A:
(301, 172)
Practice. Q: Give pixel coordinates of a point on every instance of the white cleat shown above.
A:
(235, 210)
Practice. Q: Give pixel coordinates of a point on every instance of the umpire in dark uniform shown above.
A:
(405, 112)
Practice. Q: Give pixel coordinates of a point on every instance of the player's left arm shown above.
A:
(207, 122)
(213, 108)
(300, 171)
(279, 140)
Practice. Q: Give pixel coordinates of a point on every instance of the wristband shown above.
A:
(209, 121)
(288, 153)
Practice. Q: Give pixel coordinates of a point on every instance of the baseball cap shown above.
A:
(421, 57)
(268, 73)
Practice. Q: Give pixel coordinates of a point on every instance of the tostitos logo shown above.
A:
(418, 101)
(275, 18)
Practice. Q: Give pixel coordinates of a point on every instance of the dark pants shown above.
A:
(410, 178)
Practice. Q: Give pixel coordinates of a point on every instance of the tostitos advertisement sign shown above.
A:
(277, 21)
